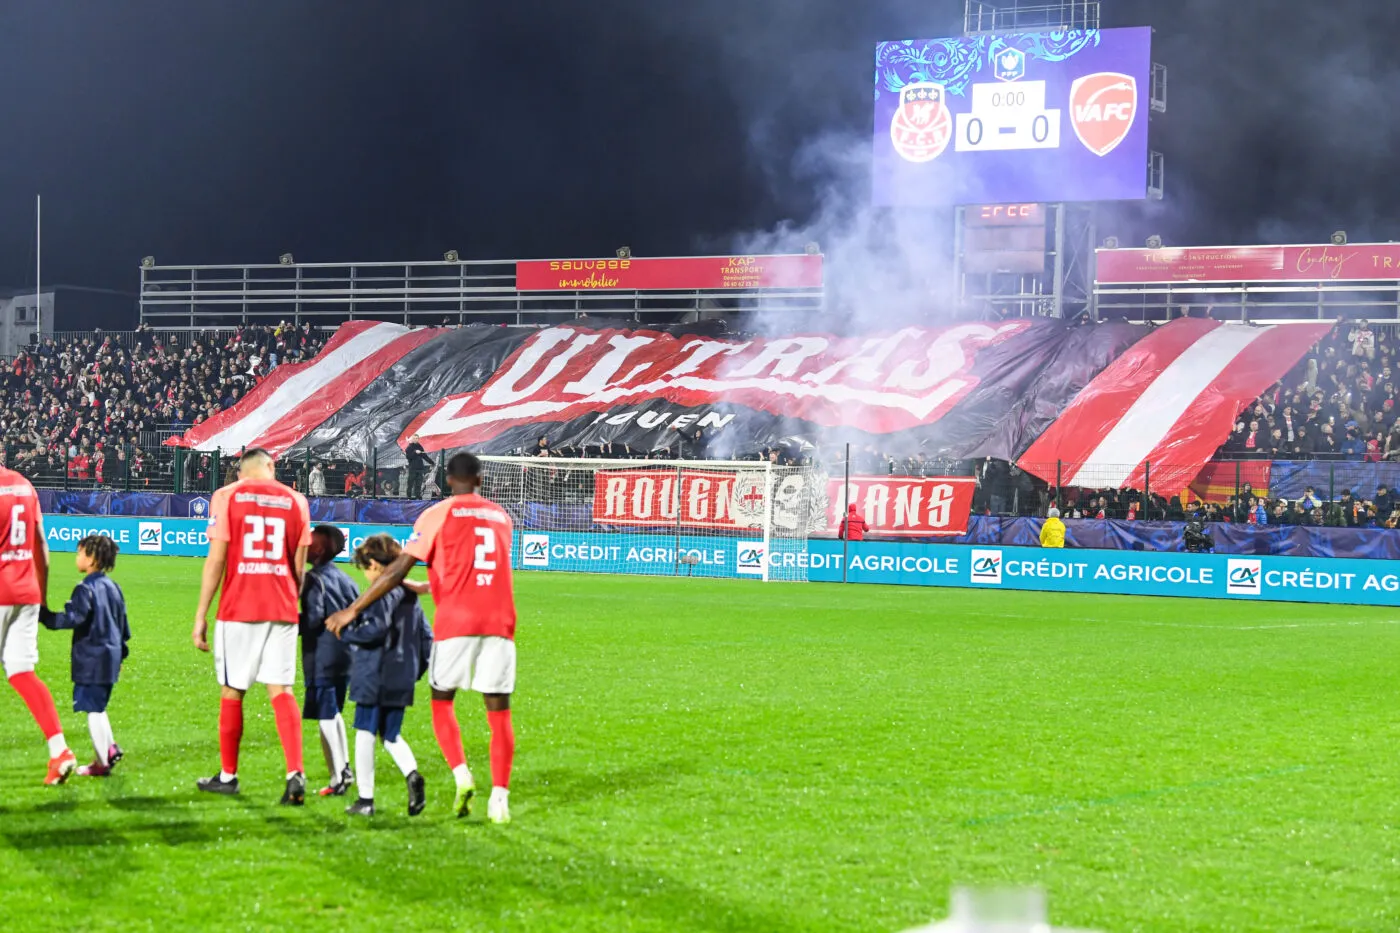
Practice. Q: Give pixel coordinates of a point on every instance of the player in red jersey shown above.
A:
(259, 532)
(465, 541)
(24, 584)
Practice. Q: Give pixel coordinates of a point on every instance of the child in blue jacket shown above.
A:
(390, 643)
(97, 617)
(325, 661)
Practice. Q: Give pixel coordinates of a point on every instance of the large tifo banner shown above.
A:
(997, 118)
(914, 507)
(1037, 391)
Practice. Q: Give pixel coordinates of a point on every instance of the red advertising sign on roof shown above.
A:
(696, 272)
(1357, 262)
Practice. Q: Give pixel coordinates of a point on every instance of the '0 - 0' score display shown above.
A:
(1035, 117)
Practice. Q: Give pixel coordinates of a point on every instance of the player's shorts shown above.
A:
(484, 663)
(91, 698)
(383, 721)
(323, 701)
(246, 653)
(19, 639)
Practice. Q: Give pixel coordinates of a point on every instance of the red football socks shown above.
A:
(284, 708)
(502, 746)
(36, 696)
(449, 734)
(230, 733)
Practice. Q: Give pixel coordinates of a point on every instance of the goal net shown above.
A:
(702, 518)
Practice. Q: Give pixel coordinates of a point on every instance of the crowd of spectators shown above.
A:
(94, 408)
(1339, 403)
(1312, 509)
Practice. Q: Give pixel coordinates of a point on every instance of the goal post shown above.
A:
(701, 518)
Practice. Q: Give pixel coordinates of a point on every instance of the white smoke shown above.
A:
(884, 267)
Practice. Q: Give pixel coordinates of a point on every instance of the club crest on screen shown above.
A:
(922, 125)
(1102, 108)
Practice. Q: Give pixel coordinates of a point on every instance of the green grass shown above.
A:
(700, 756)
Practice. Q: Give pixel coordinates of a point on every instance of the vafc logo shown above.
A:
(1011, 65)
(922, 126)
(1102, 108)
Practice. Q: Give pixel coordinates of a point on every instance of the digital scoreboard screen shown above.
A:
(1035, 117)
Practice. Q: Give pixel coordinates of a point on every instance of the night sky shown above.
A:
(210, 131)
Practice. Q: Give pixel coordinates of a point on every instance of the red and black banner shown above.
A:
(1037, 391)
(908, 507)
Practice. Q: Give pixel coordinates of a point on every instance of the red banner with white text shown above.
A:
(1358, 262)
(703, 272)
(892, 506)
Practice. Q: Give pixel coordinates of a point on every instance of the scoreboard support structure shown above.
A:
(1025, 260)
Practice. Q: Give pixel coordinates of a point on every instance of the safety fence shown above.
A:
(1156, 491)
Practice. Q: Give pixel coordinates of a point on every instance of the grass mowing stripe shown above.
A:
(723, 755)
(1133, 796)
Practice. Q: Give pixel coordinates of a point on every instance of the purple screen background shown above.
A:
(1070, 173)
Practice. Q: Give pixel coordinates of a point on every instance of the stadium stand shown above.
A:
(93, 411)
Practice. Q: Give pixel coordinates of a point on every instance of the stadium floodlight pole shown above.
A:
(767, 517)
(38, 263)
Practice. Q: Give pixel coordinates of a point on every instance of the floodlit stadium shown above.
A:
(946, 563)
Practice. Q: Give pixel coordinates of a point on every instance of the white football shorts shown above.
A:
(484, 663)
(19, 639)
(246, 653)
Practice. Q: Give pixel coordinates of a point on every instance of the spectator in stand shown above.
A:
(1375, 448)
(355, 482)
(1326, 441)
(316, 480)
(1349, 509)
(1258, 512)
(1252, 440)
(1353, 448)
(1302, 447)
(1385, 501)
(1052, 533)
(1363, 341)
(419, 463)
(853, 525)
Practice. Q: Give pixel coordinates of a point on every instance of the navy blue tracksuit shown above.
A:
(390, 644)
(97, 617)
(325, 660)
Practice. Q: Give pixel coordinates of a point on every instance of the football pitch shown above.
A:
(715, 755)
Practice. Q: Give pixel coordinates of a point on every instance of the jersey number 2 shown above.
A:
(265, 539)
(485, 550)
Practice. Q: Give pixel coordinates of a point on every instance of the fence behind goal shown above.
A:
(703, 518)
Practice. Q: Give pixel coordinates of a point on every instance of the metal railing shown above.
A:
(417, 293)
